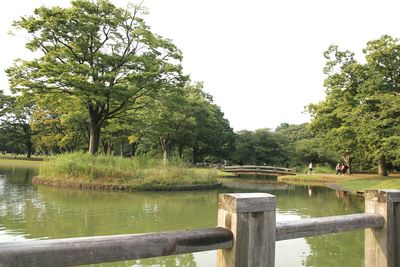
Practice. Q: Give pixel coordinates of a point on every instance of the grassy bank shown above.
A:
(139, 173)
(10, 162)
(349, 182)
(377, 182)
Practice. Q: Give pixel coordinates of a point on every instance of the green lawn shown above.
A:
(6, 162)
(372, 183)
(351, 182)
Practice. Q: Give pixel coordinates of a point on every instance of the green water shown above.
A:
(37, 212)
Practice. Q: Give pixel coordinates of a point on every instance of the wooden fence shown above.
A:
(245, 237)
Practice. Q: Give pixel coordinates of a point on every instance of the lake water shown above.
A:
(39, 212)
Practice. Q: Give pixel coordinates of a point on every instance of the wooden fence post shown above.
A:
(251, 218)
(382, 245)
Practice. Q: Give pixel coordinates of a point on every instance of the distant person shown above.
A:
(341, 169)
(311, 168)
(338, 168)
(345, 168)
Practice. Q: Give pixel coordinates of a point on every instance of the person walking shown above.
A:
(338, 168)
(311, 168)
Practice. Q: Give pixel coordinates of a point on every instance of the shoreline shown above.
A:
(356, 183)
(110, 187)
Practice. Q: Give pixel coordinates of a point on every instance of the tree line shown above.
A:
(101, 81)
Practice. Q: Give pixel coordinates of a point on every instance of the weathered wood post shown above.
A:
(251, 218)
(382, 245)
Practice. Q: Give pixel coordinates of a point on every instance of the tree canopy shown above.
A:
(104, 56)
(360, 116)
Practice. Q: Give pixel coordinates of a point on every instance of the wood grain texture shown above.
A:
(89, 250)
(247, 202)
(251, 218)
(326, 225)
(382, 244)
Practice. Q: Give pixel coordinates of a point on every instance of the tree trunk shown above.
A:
(166, 155)
(28, 139)
(180, 151)
(105, 147)
(122, 150)
(194, 155)
(165, 144)
(110, 148)
(382, 166)
(133, 148)
(347, 160)
(29, 146)
(94, 139)
(95, 122)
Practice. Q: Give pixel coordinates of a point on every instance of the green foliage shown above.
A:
(105, 57)
(137, 173)
(184, 123)
(17, 133)
(302, 146)
(259, 147)
(359, 117)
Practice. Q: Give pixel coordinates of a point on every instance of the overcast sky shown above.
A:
(261, 60)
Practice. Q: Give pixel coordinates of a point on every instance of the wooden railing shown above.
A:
(245, 237)
(259, 169)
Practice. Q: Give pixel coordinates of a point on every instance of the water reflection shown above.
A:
(28, 211)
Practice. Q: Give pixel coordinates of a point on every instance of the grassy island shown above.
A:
(80, 170)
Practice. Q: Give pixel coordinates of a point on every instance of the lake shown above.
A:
(38, 212)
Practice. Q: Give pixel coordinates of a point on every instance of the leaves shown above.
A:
(361, 110)
(104, 56)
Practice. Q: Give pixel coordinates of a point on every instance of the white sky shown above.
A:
(261, 60)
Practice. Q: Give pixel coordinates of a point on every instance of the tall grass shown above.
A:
(139, 172)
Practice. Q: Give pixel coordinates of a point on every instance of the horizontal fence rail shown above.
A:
(326, 225)
(89, 250)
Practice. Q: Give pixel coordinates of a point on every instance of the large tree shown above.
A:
(360, 114)
(104, 56)
(333, 119)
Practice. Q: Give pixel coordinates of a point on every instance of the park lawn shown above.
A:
(377, 182)
(321, 178)
(7, 162)
(350, 182)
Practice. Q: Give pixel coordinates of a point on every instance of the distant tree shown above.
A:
(186, 120)
(106, 57)
(59, 125)
(15, 116)
(259, 147)
(213, 138)
(301, 146)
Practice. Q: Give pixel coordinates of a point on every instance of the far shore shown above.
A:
(351, 183)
